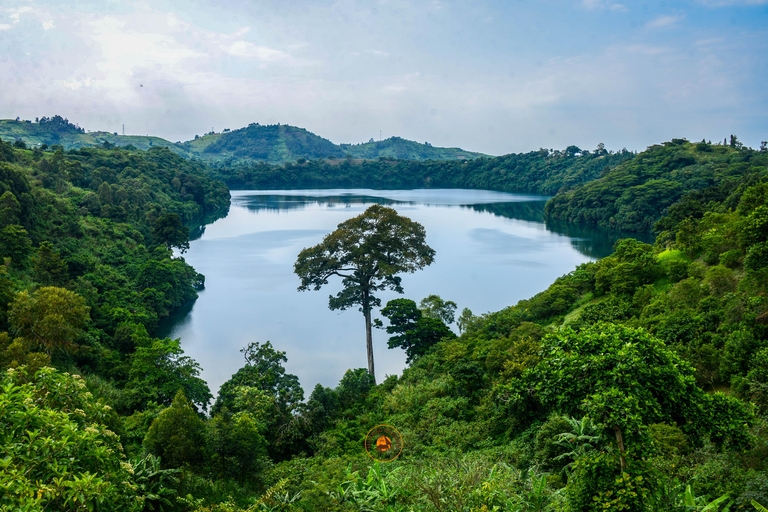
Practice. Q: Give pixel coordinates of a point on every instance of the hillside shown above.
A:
(271, 143)
(402, 149)
(634, 195)
(275, 144)
(68, 136)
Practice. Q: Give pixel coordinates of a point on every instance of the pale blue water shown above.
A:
(492, 249)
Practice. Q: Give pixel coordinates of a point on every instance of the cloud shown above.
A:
(5, 26)
(249, 50)
(603, 4)
(663, 21)
(48, 25)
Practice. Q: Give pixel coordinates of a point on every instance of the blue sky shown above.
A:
(490, 76)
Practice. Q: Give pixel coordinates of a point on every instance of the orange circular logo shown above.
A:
(383, 443)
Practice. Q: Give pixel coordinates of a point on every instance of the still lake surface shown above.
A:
(492, 250)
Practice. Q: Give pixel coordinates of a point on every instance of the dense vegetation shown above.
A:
(633, 196)
(402, 149)
(87, 239)
(544, 172)
(637, 382)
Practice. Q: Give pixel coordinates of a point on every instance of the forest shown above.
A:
(638, 382)
(540, 172)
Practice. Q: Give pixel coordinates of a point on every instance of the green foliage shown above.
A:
(598, 483)
(626, 379)
(632, 265)
(435, 307)
(177, 435)
(169, 230)
(56, 451)
(15, 244)
(50, 318)
(158, 486)
(159, 371)
(668, 440)
(413, 332)
(635, 194)
(543, 171)
(262, 389)
(49, 268)
(238, 445)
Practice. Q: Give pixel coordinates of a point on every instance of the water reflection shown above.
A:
(591, 241)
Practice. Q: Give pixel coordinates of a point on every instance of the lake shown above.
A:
(492, 249)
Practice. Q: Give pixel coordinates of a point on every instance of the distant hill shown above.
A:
(270, 143)
(402, 149)
(275, 144)
(60, 131)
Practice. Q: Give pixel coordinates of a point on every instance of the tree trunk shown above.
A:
(620, 443)
(369, 342)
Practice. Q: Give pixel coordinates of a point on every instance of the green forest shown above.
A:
(638, 382)
(544, 171)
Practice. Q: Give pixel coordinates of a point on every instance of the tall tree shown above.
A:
(367, 252)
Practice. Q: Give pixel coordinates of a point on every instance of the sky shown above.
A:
(496, 77)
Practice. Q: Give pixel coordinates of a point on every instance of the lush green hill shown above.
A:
(68, 136)
(634, 195)
(275, 144)
(402, 149)
(271, 143)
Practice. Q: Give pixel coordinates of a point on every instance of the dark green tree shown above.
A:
(264, 374)
(15, 244)
(49, 268)
(367, 252)
(169, 230)
(159, 370)
(413, 332)
(10, 209)
(177, 435)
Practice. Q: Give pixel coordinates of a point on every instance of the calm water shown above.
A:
(492, 249)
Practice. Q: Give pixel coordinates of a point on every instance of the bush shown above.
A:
(57, 453)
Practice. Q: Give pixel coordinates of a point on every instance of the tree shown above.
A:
(177, 435)
(169, 230)
(159, 371)
(15, 244)
(263, 389)
(367, 252)
(435, 307)
(263, 370)
(414, 332)
(51, 318)
(49, 268)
